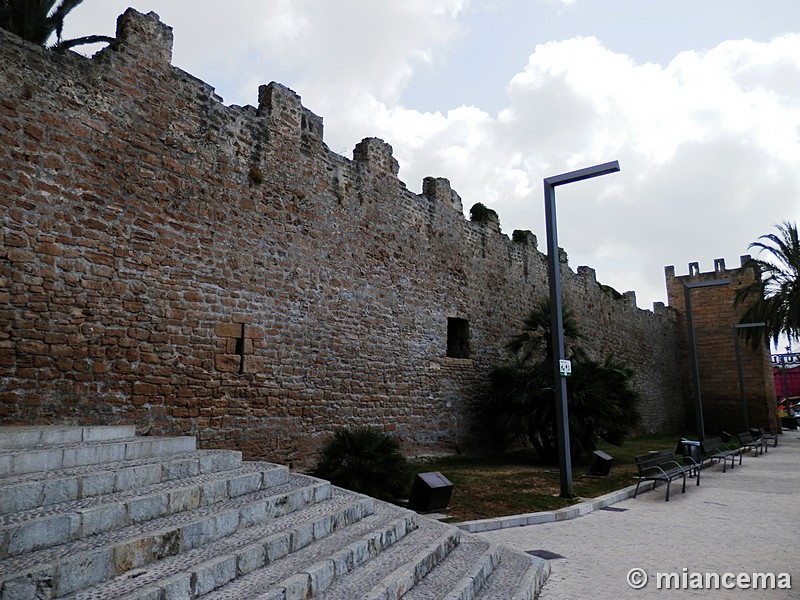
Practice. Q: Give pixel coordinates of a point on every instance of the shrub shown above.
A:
(523, 236)
(480, 213)
(602, 404)
(364, 460)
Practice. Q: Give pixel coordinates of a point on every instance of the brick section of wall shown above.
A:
(192, 268)
(714, 317)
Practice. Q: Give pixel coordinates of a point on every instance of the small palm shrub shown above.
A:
(364, 460)
(602, 403)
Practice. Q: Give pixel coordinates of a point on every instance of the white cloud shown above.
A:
(708, 147)
(346, 47)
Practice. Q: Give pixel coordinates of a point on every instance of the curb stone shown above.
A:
(552, 516)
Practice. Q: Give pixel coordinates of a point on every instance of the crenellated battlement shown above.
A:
(718, 271)
(290, 127)
(191, 267)
(438, 189)
(376, 157)
(144, 36)
(286, 115)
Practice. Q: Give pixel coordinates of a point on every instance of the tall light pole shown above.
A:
(698, 401)
(739, 373)
(561, 366)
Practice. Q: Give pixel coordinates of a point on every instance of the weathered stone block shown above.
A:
(103, 518)
(213, 574)
(251, 558)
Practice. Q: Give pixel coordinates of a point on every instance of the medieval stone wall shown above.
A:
(714, 318)
(190, 267)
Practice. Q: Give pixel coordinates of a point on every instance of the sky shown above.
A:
(698, 100)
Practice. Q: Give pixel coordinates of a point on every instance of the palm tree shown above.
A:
(775, 296)
(37, 20)
(535, 337)
(602, 403)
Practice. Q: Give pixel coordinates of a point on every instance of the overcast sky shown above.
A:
(698, 100)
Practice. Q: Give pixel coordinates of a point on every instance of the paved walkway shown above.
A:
(743, 521)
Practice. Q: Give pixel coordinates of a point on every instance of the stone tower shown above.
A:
(714, 319)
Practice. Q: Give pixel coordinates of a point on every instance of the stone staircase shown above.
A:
(96, 512)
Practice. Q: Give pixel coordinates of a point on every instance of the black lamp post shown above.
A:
(561, 366)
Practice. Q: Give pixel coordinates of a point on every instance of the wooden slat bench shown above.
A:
(661, 466)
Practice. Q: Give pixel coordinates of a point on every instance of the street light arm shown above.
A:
(581, 174)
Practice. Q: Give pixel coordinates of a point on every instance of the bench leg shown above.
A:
(668, 482)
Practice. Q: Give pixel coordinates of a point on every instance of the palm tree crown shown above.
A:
(37, 20)
(775, 296)
(535, 337)
(521, 398)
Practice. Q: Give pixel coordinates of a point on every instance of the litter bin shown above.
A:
(690, 448)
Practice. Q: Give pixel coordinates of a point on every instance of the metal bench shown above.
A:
(661, 466)
(747, 442)
(766, 435)
(715, 449)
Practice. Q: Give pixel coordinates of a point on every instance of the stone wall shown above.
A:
(714, 317)
(189, 267)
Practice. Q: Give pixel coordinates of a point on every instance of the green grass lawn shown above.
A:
(519, 482)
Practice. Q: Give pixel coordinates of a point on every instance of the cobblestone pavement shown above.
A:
(743, 521)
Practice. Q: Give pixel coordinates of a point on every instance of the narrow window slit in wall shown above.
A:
(240, 349)
(457, 337)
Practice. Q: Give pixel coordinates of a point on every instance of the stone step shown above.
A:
(320, 560)
(397, 569)
(31, 490)
(461, 575)
(517, 576)
(94, 513)
(75, 565)
(268, 549)
(23, 436)
(41, 527)
(16, 461)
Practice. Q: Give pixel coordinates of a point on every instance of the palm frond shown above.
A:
(37, 20)
(774, 298)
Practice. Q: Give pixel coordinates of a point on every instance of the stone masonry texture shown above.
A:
(714, 316)
(187, 267)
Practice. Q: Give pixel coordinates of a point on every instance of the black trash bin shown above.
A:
(690, 448)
